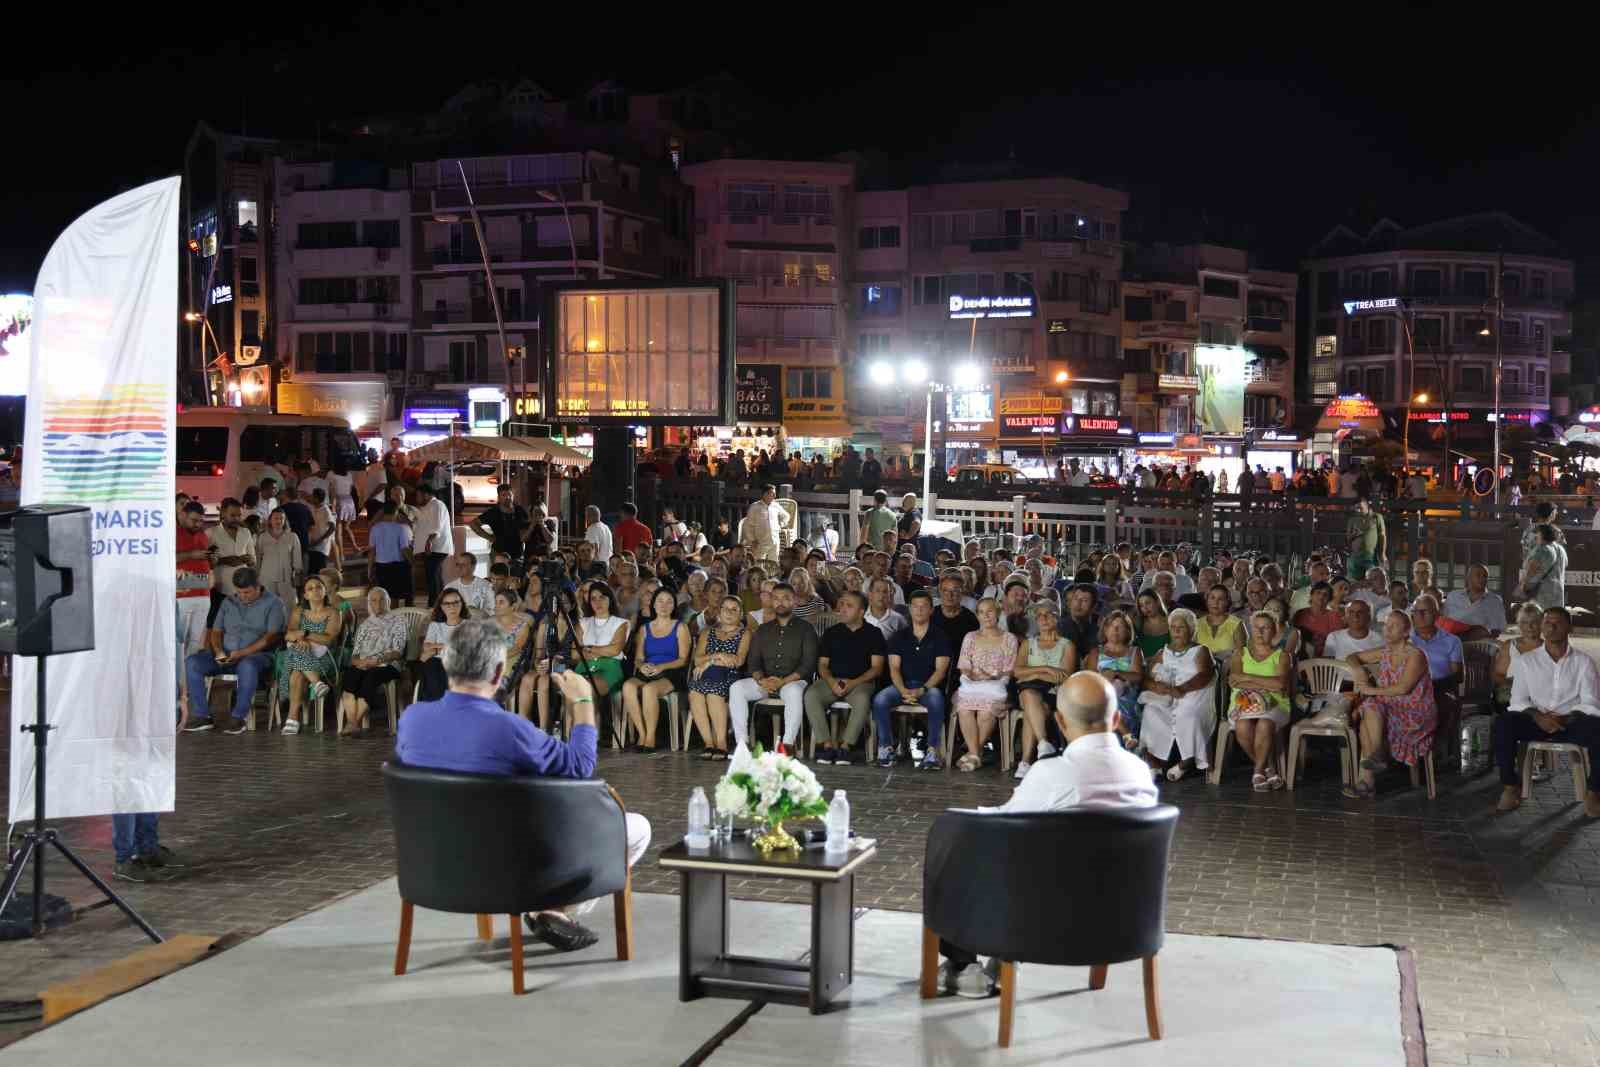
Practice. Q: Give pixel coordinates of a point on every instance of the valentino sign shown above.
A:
(991, 307)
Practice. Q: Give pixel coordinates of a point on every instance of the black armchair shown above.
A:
(1079, 888)
(486, 845)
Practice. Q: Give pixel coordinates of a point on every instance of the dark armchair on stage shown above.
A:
(485, 845)
(1070, 889)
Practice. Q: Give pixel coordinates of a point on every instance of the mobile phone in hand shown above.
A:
(558, 666)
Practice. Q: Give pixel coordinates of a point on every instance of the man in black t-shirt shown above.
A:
(1079, 624)
(956, 621)
(504, 526)
(850, 661)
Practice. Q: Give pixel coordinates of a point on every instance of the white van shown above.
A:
(223, 451)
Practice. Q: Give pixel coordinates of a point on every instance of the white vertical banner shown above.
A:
(102, 403)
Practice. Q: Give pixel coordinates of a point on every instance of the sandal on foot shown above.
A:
(1376, 766)
(1176, 772)
(1359, 791)
(1274, 780)
(1258, 782)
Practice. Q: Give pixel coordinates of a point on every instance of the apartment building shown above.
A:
(784, 231)
(1439, 283)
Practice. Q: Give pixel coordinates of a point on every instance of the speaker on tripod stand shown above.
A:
(47, 609)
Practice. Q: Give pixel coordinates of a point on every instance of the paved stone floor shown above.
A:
(1500, 911)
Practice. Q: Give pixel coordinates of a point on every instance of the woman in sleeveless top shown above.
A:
(1529, 621)
(1178, 706)
(1261, 677)
(1120, 662)
(1150, 632)
(987, 656)
(1398, 709)
(308, 662)
(718, 662)
(1219, 629)
(517, 628)
(1043, 662)
(661, 655)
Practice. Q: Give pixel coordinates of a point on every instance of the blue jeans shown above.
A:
(889, 698)
(134, 835)
(203, 665)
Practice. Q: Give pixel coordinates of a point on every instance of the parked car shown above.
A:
(478, 483)
(976, 475)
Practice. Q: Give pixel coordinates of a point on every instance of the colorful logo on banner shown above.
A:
(103, 448)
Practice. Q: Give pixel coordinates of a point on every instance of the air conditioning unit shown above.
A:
(249, 355)
(286, 372)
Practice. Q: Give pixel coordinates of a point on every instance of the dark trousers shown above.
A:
(434, 681)
(135, 835)
(395, 578)
(217, 597)
(958, 956)
(1513, 728)
(367, 684)
(315, 561)
(432, 562)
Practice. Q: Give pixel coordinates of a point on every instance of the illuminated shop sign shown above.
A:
(221, 294)
(1025, 425)
(1092, 424)
(1388, 302)
(991, 307)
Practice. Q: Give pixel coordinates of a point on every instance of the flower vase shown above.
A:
(775, 839)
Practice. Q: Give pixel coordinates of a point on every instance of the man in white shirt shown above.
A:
(269, 500)
(880, 608)
(430, 536)
(1476, 605)
(1093, 771)
(1555, 696)
(1167, 563)
(597, 534)
(477, 593)
(761, 532)
(1376, 591)
(1357, 636)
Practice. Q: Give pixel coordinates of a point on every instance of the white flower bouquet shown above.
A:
(770, 788)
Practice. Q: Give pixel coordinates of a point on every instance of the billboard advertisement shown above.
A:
(1221, 402)
(641, 353)
(16, 318)
(759, 398)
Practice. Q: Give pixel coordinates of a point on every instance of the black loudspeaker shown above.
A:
(46, 580)
(612, 473)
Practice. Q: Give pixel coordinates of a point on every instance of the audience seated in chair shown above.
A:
(1555, 696)
(249, 625)
(467, 731)
(783, 657)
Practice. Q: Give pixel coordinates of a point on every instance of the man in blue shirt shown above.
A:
(467, 731)
(390, 540)
(250, 624)
(919, 660)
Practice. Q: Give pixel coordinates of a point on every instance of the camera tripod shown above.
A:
(35, 840)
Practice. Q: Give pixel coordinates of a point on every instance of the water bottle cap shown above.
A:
(838, 792)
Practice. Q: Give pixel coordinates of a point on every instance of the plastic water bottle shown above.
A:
(838, 823)
(1467, 737)
(699, 835)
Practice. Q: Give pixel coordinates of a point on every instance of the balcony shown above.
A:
(352, 312)
(1455, 296)
(816, 233)
(791, 351)
(1263, 324)
(1268, 372)
(1510, 395)
(352, 259)
(787, 289)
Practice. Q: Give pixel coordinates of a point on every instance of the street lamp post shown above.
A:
(488, 268)
(205, 331)
(914, 372)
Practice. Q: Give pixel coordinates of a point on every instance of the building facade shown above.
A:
(783, 230)
(1431, 311)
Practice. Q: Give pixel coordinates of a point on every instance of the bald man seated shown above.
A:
(1093, 771)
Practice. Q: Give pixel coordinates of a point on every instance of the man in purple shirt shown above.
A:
(467, 731)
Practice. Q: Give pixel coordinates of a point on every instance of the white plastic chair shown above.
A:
(1323, 677)
(1577, 761)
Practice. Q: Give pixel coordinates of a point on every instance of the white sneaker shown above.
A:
(1023, 768)
(1046, 749)
(292, 726)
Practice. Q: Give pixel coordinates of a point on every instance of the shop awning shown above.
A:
(1273, 352)
(497, 449)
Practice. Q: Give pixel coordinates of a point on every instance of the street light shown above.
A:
(916, 373)
(1061, 377)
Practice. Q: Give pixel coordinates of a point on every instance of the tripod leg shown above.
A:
(110, 894)
(14, 875)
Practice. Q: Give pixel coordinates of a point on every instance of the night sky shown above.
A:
(1237, 121)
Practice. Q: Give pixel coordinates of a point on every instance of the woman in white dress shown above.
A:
(1179, 708)
(342, 499)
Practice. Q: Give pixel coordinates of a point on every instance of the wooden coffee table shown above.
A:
(705, 968)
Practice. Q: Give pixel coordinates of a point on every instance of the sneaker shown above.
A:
(237, 726)
(930, 761)
(1046, 750)
(950, 978)
(886, 755)
(825, 754)
(916, 748)
(163, 857)
(1022, 770)
(973, 983)
(197, 726)
(137, 870)
(841, 757)
(290, 727)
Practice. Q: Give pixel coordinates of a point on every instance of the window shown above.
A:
(362, 359)
(1352, 380)
(381, 233)
(1175, 311)
(1428, 334)
(1224, 287)
(879, 300)
(1425, 381)
(327, 290)
(1473, 380)
(1357, 335)
(1474, 284)
(464, 360)
(1381, 283)
(1536, 286)
(1511, 378)
(809, 384)
(872, 345)
(1213, 332)
(247, 270)
(1355, 283)
(249, 216)
(1265, 305)
(813, 201)
(1512, 329)
(250, 326)
(550, 230)
(805, 323)
(1327, 290)
(1377, 335)
(1016, 283)
(1538, 335)
(878, 237)
(1137, 309)
(756, 320)
(1426, 282)
(1511, 285)
(1374, 380)
(750, 198)
(380, 290)
(791, 271)
(632, 236)
(1539, 380)
(1471, 329)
